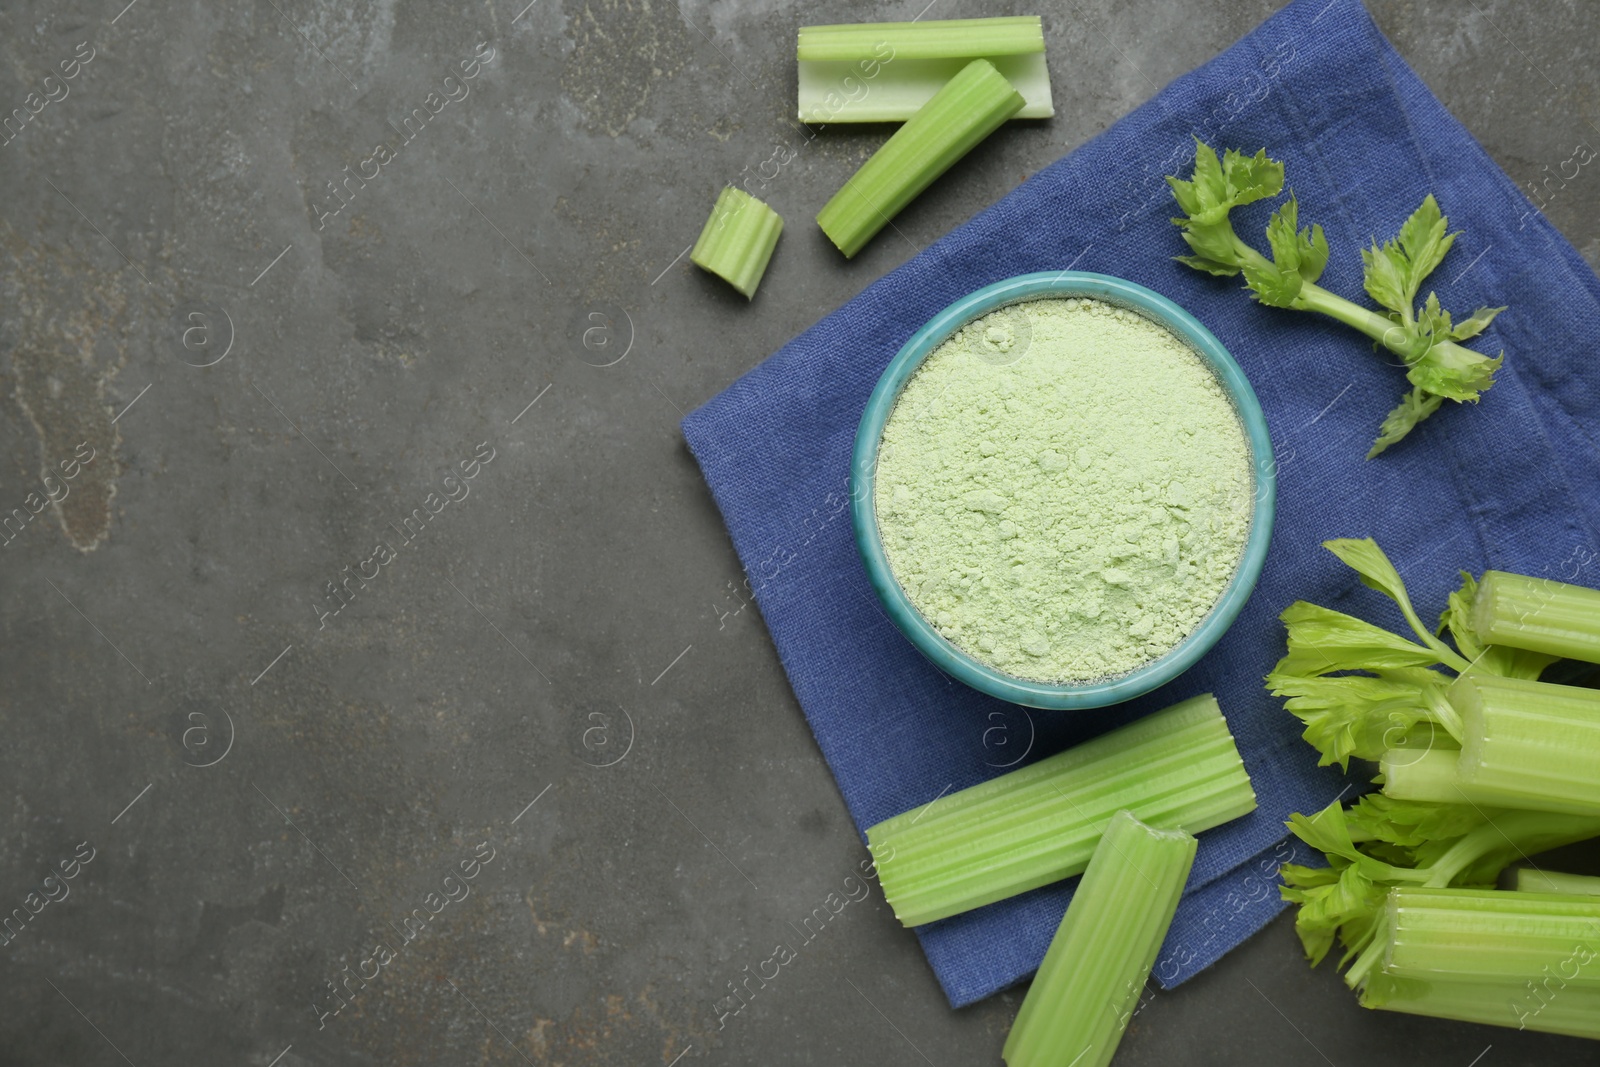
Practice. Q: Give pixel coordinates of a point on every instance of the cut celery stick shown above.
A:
(1536, 741)
(737, 240)
(886, 71)
(1489, 935)
(1091, 978)
(970, 107)
(1506, 1002)
(1176, 769)
(1530, 880)
(1539, 614)
(1432, 775)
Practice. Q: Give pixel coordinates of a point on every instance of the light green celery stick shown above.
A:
(1540, 614)
(1487, 935)
(1575, 1011)
(1432, 775)
(1095, 969)
(970, 107)
(1530, 880)
(886, 71)
(1535, 740)
(1175, 769)
(737, 240)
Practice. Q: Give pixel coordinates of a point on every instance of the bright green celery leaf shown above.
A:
(1216, 188)
(1415, 406)
(1358, 715)
(1298, 257)
(1488, 934)
(1039, 824)
(1094, 972)
(1394, 271)
(1220, 185)
(1474, 324)
(972, 105)
(1376, 572)
(886, 71)
(1453, 372)
(1540, 615)
(1408, 823)
(1534, 740)
(1322, 640)
(1533, 880)
(1503, 1002)
(737, 240)
(1424, 240)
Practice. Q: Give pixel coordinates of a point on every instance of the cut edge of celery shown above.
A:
(1534, 880)
(961, 115)
(1538, 614)
(934, 39)
(737, 240)
(842, 91)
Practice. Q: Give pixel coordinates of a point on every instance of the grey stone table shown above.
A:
(540, 724)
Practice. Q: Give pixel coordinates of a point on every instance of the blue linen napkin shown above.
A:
(1512, 483)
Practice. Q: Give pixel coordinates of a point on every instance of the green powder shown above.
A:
(1064, 490)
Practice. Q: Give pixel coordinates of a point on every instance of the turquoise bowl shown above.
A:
(918, 630)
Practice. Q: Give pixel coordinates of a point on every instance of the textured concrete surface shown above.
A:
(253, 378)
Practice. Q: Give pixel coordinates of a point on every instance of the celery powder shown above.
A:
(1064, 490)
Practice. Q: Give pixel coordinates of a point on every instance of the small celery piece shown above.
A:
(1431, 775)
(1092, 976)
(737, 240)
(1575, 1011)
(1539, 614)
(1537, 741)
(886, 71)
(1177, 768)
(1484, 935)
(1531, 880)
(970, 107)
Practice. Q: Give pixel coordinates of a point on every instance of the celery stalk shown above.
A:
(1506, 1002)
(1539, 614)
(737, 240)
(1535, 740)
(970, 107)
(1489, 935)
(1532, 880)
(886, 71)
(1085, 991)
(1433, 775)
(1039, 824)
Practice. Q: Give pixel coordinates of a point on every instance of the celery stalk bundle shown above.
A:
(1477, 771)
(1177, 768)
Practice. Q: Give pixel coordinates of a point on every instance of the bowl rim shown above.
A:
(1064, 284)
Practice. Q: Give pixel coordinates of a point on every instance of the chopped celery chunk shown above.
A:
(886, 71)
(1488, 935)
(1532, 880)
(969, 107)
(1539, 614)
(1177, 768)
(1433, 775)
(737, 240)
(1095, 969)
(1536, 741)
(1505, 1002)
